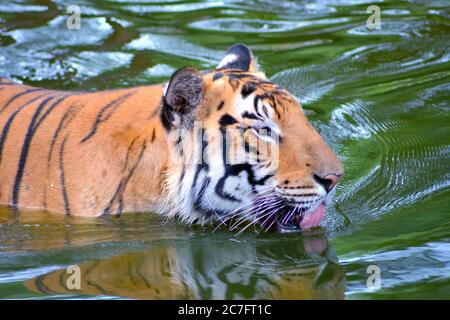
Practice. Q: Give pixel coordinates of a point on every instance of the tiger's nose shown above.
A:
(328, 182)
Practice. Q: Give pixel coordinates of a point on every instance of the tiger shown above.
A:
(171, 149)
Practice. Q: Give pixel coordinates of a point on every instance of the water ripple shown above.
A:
(380, 98)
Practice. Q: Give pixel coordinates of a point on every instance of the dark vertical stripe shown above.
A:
(18, 95)
(102, 116)
(55, 136)
(63, 178)
(24, 151)
(51, 108)
(34, 125)
(8, 123)
(118, 194)
(256, 105)
(153, 135)
(166, 115)
(274, 106)
(61, 124)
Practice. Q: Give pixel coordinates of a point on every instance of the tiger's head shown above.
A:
(242, 151)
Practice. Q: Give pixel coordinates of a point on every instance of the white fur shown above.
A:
(165, 88)
(229, 58)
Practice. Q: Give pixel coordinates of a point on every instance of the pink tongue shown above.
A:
(313, 219)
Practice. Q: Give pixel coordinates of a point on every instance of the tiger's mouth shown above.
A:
(287, 221)
(275, 214)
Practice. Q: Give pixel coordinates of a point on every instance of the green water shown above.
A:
(380, 98)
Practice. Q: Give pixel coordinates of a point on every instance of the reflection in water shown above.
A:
(201, 268)
(379, 97)
(40, 230)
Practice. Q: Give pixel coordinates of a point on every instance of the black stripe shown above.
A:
(65, 196)
(249, 115)
(178, 141)
(235, 170)
(153, 135)
(227, 120)
(256, 104)
(51, 108)
(56, 134)
(219, 188)
(166, 115)
(130, 174)
(101, 117)
(202, 166)
(34, 125)
(247, 89)
(250, 149)
(11, 118)
(198, 203)
(275, 106)
(24, 152)
(16, 96)
(118, 194)
(263, 179)
(266, 112)
(217, 76)
(65, 120)
(183, 172)
(251, 79)
(243, 75)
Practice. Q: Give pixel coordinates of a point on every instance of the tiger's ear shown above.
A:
(238, 57)
(182, 95)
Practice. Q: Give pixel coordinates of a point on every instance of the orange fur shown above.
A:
(109, 150)
(92, 169)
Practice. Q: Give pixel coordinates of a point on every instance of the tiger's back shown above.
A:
(56, 147)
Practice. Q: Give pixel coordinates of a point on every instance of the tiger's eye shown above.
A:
(264, 131)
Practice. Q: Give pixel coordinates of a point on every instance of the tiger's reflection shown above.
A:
(204, 269)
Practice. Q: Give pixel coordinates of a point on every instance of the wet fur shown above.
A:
(100, 153)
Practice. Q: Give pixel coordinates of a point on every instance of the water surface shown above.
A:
(379, 97)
